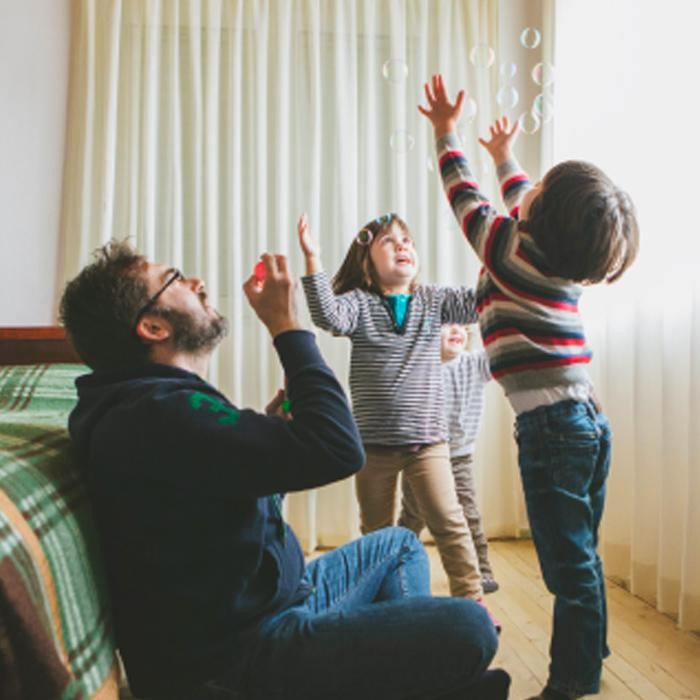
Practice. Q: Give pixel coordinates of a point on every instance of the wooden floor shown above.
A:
(650, 658)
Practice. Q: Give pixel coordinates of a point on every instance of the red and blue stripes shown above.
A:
(529, 317)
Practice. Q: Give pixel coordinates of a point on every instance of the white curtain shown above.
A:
(202, 128)
(626, 99)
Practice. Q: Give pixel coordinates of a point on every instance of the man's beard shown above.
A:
(193, 336)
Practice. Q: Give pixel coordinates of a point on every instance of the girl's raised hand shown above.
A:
(307, 243)
(502, 139)
(308, 246)
(442, 113)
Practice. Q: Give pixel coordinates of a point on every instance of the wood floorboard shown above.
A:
(651, 659)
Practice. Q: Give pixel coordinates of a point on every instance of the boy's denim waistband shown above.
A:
(543, 414)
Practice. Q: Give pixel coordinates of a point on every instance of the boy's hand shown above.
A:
(442, 113)
(308, 246)
(500, 144)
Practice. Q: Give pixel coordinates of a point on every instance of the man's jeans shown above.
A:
(564, 455)
(372, 630)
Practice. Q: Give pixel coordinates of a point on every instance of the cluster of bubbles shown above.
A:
(482, 57)
(542, 74)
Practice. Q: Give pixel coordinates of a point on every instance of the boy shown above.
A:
(571, 228)
(465, 373)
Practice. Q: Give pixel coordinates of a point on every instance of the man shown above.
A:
(210, 592)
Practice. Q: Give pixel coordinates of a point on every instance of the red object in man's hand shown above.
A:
(259, 272)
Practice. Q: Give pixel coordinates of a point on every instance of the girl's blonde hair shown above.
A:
(357, 270)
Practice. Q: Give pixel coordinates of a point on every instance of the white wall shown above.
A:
(34, 54)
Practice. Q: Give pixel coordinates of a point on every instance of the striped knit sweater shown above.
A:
(395, 375)
(465, 378)
(529, 317)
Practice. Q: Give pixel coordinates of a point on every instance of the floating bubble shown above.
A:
(395, 70)
(507, 97)
(543, 107)
(508, 70)
(401, 141)
(482, 171)
(469, 108)
(430, 165)
(530, 37)
(482, 56)
(543, 74)
(529, 122)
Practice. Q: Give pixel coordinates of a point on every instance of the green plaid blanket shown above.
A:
(56, 637)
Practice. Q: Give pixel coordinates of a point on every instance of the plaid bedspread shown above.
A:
(56, 637)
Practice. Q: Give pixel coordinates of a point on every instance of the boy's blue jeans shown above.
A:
(371, 630)
(564, 456)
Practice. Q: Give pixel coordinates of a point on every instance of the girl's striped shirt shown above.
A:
(529, 317)
(395, 374)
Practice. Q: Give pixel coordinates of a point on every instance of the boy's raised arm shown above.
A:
(514, 182)
(442, 113)
(469, 205)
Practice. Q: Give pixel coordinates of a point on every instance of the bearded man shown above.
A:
(211, 595)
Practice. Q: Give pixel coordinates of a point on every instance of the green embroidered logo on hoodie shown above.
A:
(229, 415)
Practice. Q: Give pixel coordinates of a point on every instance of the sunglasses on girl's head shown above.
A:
(365, 236)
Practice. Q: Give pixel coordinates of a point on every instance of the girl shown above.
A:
(395, 381)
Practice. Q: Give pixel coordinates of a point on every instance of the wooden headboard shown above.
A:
(31, 345)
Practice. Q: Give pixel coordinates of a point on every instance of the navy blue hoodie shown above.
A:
(185, 490)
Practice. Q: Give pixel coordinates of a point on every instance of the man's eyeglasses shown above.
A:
(174, 277)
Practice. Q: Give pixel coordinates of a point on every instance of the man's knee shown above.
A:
(408, 540)
(466, 633)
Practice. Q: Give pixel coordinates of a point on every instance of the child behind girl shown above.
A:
(394, 326)
(465, 373)
(573, 227)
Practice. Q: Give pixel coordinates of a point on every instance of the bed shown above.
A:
(56, 635)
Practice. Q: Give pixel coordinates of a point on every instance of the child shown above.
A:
(397, 394)
(465, 373)
(573, 227)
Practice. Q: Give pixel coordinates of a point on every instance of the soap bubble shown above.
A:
(508, 70)
(482, 56)
(430, 164)
(530, 37)
(543, 74)
(469, 108)
(507, 97)
(529, 122)
(395, 70)
(482, 171)
(543, 107)
(401, 141)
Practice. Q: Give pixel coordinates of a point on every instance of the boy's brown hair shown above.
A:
(99, 308)
(357, 270)
(583, 223)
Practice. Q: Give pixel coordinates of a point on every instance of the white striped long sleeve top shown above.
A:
(395, 375)
(465, 378)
